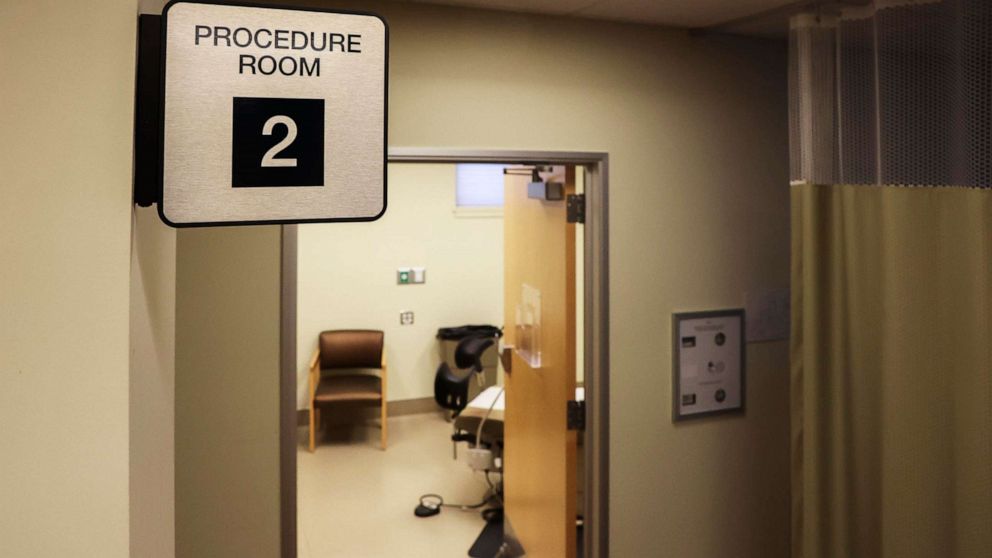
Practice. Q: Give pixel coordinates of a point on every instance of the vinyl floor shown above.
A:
(357, 501)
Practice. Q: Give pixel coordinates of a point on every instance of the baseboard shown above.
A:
(351, 412)
(412, 407)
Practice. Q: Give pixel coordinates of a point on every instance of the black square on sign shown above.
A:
(278, 142)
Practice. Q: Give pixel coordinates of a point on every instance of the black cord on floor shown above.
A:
(438, 501)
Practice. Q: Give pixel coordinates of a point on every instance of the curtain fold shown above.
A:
(891, 367)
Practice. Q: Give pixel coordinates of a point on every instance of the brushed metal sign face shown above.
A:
(272, 115)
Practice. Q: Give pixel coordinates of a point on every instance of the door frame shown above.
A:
(596, 336)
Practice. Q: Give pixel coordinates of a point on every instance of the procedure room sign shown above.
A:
(272, 115)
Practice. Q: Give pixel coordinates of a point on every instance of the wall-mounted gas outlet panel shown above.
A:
(411, 275)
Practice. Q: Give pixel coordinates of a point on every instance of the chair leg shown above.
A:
(311, 427)
(385, 426)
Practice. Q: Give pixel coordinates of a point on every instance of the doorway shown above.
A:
(593, 298)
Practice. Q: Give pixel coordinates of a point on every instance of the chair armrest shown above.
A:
(383, 377)
(314, 374)
(315, 359)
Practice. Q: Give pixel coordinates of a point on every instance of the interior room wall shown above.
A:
(227, 392)
(347, 276)
(696, 130)
(152, 386)
(66, 93)
(152, 378)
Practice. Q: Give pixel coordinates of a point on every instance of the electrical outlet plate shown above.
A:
(406, 317)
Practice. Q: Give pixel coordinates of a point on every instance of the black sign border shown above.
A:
(161, 148)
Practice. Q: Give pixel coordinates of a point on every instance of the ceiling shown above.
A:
(674, 13)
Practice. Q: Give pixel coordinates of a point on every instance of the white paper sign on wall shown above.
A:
(708, 367)
(272, 115)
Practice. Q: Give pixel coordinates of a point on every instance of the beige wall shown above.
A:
(347, 276)
(65, 173)
(152, 378)
(696, 132)
(152, 386)
(227, 392)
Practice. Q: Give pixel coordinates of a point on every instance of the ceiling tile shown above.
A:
(674, 13)
(678, 13)
(557, 7)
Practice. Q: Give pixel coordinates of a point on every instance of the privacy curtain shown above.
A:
(891, 125)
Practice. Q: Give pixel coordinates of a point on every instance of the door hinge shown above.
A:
(576, 419)
(576, 208)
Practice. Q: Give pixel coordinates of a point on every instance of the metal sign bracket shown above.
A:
(147, 112)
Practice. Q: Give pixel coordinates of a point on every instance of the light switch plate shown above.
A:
(419, 275)
(404, 276)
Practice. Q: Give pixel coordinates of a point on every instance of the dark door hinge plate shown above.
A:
(576, 208)
(576, 419)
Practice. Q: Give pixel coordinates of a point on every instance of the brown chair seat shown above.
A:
(348, 387)
(334, 378)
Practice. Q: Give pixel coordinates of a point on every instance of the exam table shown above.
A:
(469, 418)
(467, 422)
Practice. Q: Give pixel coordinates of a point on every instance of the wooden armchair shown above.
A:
(347, 350)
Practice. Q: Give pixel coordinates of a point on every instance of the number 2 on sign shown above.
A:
(269, 159)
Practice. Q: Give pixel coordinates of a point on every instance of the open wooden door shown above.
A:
(539, 295)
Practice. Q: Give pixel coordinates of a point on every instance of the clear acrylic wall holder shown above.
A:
(528, 326)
